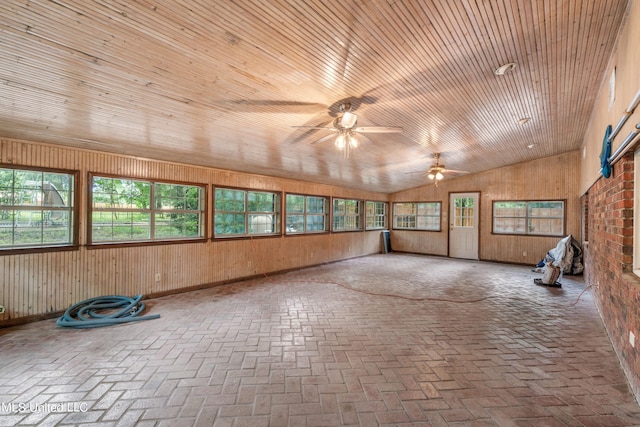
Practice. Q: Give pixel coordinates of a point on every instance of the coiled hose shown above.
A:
(99, 311)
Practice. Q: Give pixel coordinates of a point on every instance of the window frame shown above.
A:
(247, 234)
(358, 216)
(152, 240)
(74, 224)
(527, 217)
(306, 214)
(416, 216)
(385, 215)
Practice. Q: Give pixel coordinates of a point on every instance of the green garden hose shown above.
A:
(99, 311)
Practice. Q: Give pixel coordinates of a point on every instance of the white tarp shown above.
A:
(567, 256)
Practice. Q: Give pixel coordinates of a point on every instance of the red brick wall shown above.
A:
(609, 262)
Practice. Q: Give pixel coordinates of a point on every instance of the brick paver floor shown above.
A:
(389, 339)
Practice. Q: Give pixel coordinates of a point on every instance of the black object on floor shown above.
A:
(539, 282)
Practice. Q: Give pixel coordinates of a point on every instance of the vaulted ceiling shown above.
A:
(223, 83)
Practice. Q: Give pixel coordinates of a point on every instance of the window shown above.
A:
(129, 210)
(347, 215)
(376, 214)
(463, 214)
(541, 218)
(36, 208)
(417, 216)
(241, 213)
(306, 214)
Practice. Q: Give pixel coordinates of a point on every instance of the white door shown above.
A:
(463, 225)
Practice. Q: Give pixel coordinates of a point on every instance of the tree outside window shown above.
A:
(122, 210)
(243, 213)
(347, 215)
(36, 208)
(306, 214)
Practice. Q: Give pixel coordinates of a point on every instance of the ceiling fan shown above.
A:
(345, 125)
(437, 171)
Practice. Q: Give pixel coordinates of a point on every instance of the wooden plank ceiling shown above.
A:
(222, 83)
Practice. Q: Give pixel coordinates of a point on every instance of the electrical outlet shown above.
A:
(524, 253)
(632, 339)
(158, 277)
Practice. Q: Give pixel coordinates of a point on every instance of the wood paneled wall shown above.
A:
(550, 178)
(34, 284)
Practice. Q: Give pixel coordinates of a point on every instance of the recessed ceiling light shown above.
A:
(503, 69)
(524, 120)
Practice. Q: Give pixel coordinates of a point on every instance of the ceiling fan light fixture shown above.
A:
(439, 176)
(353, 141)
(503, 69)
(431, 175)
(345, 127)
(348, 120)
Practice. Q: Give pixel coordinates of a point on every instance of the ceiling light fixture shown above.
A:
(524, 120)
(346, 141)
(346, 128)
(503, 69)
(435, 172)
(348, 119)
(435, 176)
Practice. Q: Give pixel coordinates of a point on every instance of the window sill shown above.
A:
(21, 251)
(144, 243)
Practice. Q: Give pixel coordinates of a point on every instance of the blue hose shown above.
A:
(87, 313)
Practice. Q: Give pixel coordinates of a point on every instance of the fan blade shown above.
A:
(271, 106)
(362, 139)
(323, 139)
(455, 172)
(300, 135)
(315, 127)
(378, 129)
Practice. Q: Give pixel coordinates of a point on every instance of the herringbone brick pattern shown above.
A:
(381, 340)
